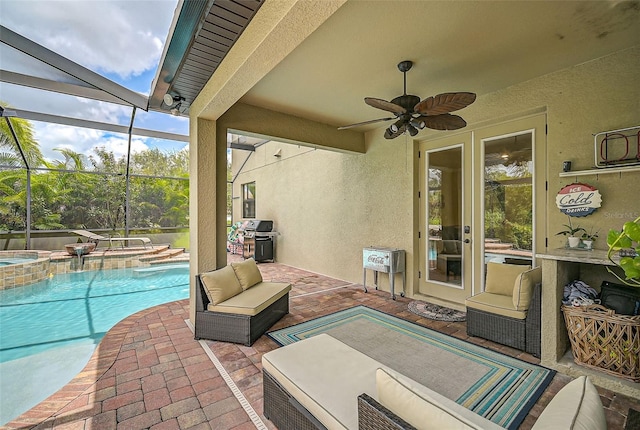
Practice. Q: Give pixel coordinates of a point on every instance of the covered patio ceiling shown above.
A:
(476, 46)
(352, 52)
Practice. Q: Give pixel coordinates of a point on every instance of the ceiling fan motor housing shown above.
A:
(407, 101)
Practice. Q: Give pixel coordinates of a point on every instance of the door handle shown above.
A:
(467, 241)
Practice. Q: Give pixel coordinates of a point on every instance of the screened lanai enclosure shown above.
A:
(87, 143)
(94, 100)
(80, 151)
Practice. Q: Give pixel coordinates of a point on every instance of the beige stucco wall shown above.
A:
(328, 205)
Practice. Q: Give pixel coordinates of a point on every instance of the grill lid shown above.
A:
(259, 225)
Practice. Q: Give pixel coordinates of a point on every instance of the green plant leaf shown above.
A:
(632, 230)
(618, 240)
(632, 274)
(626, 263)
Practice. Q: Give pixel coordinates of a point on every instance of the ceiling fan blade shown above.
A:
(444, 103)
(384, 105)
(443, 122)
(344, 127)
(388, 134)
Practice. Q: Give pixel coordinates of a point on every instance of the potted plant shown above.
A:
(589, 238)
(627, 243)
(571, 232)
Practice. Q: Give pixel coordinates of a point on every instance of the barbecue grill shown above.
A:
(259, 240)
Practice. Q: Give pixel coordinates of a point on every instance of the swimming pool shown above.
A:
(51, 328)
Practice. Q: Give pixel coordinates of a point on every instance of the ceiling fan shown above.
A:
(413, 115)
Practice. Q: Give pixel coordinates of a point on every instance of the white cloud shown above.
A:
(113, 36)
(82, 140)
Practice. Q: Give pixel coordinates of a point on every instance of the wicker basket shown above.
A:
(603, 340)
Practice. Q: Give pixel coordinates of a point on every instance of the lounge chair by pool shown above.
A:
(93, 237)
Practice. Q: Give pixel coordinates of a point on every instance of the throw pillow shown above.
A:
(501, 277)
(577, 406)
(523, 288)
(417, 408)
(220, 284)
(248, 273)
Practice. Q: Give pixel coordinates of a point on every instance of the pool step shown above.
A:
(170, 255)
(182, 258)
(167, 253)
(141, 271)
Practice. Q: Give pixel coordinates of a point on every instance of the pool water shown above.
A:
(50, 329)
(10, 261)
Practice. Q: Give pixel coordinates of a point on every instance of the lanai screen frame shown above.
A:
(84, 83)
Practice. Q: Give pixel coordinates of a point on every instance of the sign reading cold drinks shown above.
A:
(578, 200)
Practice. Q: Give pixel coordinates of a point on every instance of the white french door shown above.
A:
(482, 198)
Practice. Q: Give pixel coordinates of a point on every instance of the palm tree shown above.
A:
(9, 151)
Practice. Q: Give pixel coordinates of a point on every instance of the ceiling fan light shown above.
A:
(175, 111)
(418, 124)
(412, 130)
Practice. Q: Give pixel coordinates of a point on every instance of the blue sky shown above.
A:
(121, 40)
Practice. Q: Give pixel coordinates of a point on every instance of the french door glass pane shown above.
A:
(508, 204)
(444, 208)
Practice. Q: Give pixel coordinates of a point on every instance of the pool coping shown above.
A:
(52, 263)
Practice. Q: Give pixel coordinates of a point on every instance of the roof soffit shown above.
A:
(201, 36)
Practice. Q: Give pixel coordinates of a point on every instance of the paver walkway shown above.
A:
(149, 372)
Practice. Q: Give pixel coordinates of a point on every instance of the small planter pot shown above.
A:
(573, 241)
(587, 244)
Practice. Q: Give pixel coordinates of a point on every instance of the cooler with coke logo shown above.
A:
(385, 260)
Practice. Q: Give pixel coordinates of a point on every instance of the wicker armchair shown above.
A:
(522, 334)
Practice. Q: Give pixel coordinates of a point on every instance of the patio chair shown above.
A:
(509, 310)
(96, 238)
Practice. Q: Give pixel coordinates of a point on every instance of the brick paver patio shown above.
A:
(149, 372)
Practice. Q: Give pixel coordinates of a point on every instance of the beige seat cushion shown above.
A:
(496, 304)
(523, 288)
(577, 406)
(220, 285)
(502, 277)
(325, 376)
(423, 408)
(247, 272)
(254, 300)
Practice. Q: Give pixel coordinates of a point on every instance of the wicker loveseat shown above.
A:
(321, 383)
(509, 310)
(233, 304)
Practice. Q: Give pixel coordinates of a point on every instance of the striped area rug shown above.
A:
(500, 388)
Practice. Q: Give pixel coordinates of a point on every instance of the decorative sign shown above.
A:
(376, 259)
(578, 200)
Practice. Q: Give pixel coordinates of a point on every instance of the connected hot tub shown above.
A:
(18, 268)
